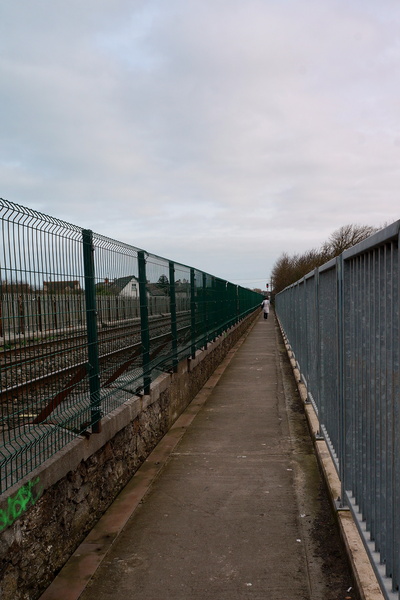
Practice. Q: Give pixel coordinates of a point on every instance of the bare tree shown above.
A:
(282, 273)
(288, 269)
(345, 237)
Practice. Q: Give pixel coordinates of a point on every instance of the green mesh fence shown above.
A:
(85, 323)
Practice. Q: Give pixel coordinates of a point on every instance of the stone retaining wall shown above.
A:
(64, 498)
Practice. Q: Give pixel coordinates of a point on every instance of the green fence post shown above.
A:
(214, 308)
(91, 324)
(174, 328)
(232, 304)
(221, 300)
(144, 322)
(193, 312)
(205, 312)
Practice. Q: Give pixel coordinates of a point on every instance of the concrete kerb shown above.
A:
(363, 572)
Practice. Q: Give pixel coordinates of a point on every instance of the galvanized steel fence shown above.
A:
(85, 323)
(342, 323)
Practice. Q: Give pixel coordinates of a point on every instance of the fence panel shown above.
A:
(85, 323)
(348, 312)
(328, 381)
(39, 256)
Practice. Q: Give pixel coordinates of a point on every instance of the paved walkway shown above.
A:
(237, 509)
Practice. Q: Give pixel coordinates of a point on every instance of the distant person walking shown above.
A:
(265, 306)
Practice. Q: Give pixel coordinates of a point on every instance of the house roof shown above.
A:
(120, 283)
(14, 287)
(61, 286)
(155, 289)
(116, 286)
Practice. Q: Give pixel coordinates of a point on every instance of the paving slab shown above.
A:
(237, 509)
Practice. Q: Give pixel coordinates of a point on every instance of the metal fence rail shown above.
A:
(342, 323)
(85, 322)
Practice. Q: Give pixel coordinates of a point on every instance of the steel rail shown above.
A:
(105, 331)
(12, 392)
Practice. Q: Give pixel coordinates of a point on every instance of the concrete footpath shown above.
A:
(229, 506)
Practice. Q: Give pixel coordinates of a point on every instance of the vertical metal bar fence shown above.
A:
(348, 311)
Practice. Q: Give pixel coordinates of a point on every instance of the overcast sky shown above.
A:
(217, 133)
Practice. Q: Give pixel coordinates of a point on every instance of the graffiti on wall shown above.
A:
(18, 504)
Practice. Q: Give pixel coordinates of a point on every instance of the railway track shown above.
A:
(107, 330)
(38, 377)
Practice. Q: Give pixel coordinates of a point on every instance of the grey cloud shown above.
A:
(234, 124)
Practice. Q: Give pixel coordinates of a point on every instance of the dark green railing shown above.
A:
(85, 323)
